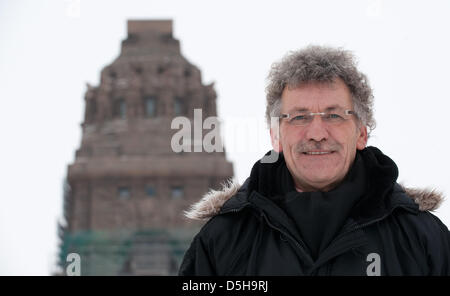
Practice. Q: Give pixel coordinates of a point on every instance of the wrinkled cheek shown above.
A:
(294, 156)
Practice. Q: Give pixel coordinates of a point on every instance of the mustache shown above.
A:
(314, 145)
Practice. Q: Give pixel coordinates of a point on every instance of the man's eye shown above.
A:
(300, 118)
(334, 116)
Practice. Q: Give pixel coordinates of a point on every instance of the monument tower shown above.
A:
(126, 189)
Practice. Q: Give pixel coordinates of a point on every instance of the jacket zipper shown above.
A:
(299, 244)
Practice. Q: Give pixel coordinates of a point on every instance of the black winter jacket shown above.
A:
(390, 231)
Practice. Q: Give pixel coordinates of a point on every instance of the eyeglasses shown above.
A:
(334, 117)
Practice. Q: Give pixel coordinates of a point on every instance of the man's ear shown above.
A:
(275, 139)
(361, 142)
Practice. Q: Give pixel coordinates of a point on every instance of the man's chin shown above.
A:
(319, 182)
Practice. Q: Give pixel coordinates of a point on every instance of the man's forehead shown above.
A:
(316, 103)
(317, 96)
(323, 108)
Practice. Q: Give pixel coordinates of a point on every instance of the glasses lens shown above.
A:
(301, 119)
(334, 117)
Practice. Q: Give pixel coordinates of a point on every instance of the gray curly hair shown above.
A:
(320, 64)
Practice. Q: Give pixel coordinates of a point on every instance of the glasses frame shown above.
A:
(288, 116)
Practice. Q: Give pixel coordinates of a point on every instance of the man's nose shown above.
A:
(317, 129)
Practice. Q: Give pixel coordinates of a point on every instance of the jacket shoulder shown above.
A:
(427, 201)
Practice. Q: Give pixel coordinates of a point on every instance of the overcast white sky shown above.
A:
(50, 49)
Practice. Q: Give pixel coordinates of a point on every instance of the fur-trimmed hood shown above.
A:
(212, 202)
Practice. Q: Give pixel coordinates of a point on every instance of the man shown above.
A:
(329, 205)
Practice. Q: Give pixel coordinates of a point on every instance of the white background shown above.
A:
(50, 49)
